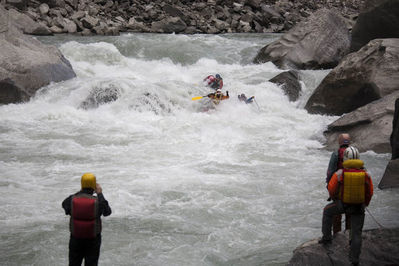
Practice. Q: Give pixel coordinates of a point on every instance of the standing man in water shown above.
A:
(85, 210)
(336, 160)
(351, 189)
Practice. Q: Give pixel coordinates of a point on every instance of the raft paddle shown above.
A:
(257, 104)
(197, 98)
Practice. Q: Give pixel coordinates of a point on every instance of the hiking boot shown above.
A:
(324, 241)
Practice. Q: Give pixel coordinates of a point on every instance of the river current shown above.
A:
(236, 185)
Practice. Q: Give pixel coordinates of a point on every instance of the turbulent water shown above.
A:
(236, 185)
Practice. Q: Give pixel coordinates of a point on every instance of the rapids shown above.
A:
(236, 185)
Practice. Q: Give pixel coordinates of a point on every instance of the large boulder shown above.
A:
(26, 64)
(379, 247)
(289, 82)
(360, 78)
(395, 132)
(390, 178)
(370, 126)
(28, 25)
(381, 21)
(320, 41)
(169, 25)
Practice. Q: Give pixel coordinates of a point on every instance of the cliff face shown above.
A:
(379, 247)
(104, 17)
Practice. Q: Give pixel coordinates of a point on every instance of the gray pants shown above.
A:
(356, 213)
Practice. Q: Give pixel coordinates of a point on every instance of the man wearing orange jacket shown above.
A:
(351, 189)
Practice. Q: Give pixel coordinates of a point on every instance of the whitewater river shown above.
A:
(237, 185)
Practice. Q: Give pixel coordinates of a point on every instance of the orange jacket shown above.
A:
(336, 181)
(218, 97)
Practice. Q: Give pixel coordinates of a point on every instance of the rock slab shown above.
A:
(26, 64)
(320, 41)
(359, 79)
(379, 247)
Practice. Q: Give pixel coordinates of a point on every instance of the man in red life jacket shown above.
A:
(215, 82)
(85, 210)
(351, 189)
(336, 160)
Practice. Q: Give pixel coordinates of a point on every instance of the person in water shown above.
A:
(244, 98)
(335, 163)
(215, 82)
(351, 189)
(85, 210)
(218, 96)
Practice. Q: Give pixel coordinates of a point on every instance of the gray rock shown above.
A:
(70, 26)
(78, 15)
(379, 22)
(20, 4)
(394, 139)
(26, 24)
(289, 82)
(360, 78)
(26, 64)
(169, 25)
(43, 9)
(319, 42)
(89, 22)
(379, 247)
(101, 95)
(390, 179)
(56, 29)
(370, 126)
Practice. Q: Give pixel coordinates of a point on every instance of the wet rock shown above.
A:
(372, 253)
(319, 42)
(370, 126)
(360, 78)
(101, 95)
(377, 22)
(390, 179)
(26, 64)
(289, 82)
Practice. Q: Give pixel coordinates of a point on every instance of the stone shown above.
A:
(394, 139)
(320, 41)
(289, 82)
(360, 78)
(390, 179)
(370, 126)
(26, 64)
(372, 253)
(26, 24)
(379, 21)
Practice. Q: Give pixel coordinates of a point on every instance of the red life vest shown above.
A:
(210, 79)
(341, 157)
(84, 222)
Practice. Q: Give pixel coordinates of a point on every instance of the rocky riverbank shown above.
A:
(110, 17)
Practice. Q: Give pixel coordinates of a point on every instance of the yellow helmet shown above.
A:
(88, 181)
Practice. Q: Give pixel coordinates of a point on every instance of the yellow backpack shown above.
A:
(353, 186)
